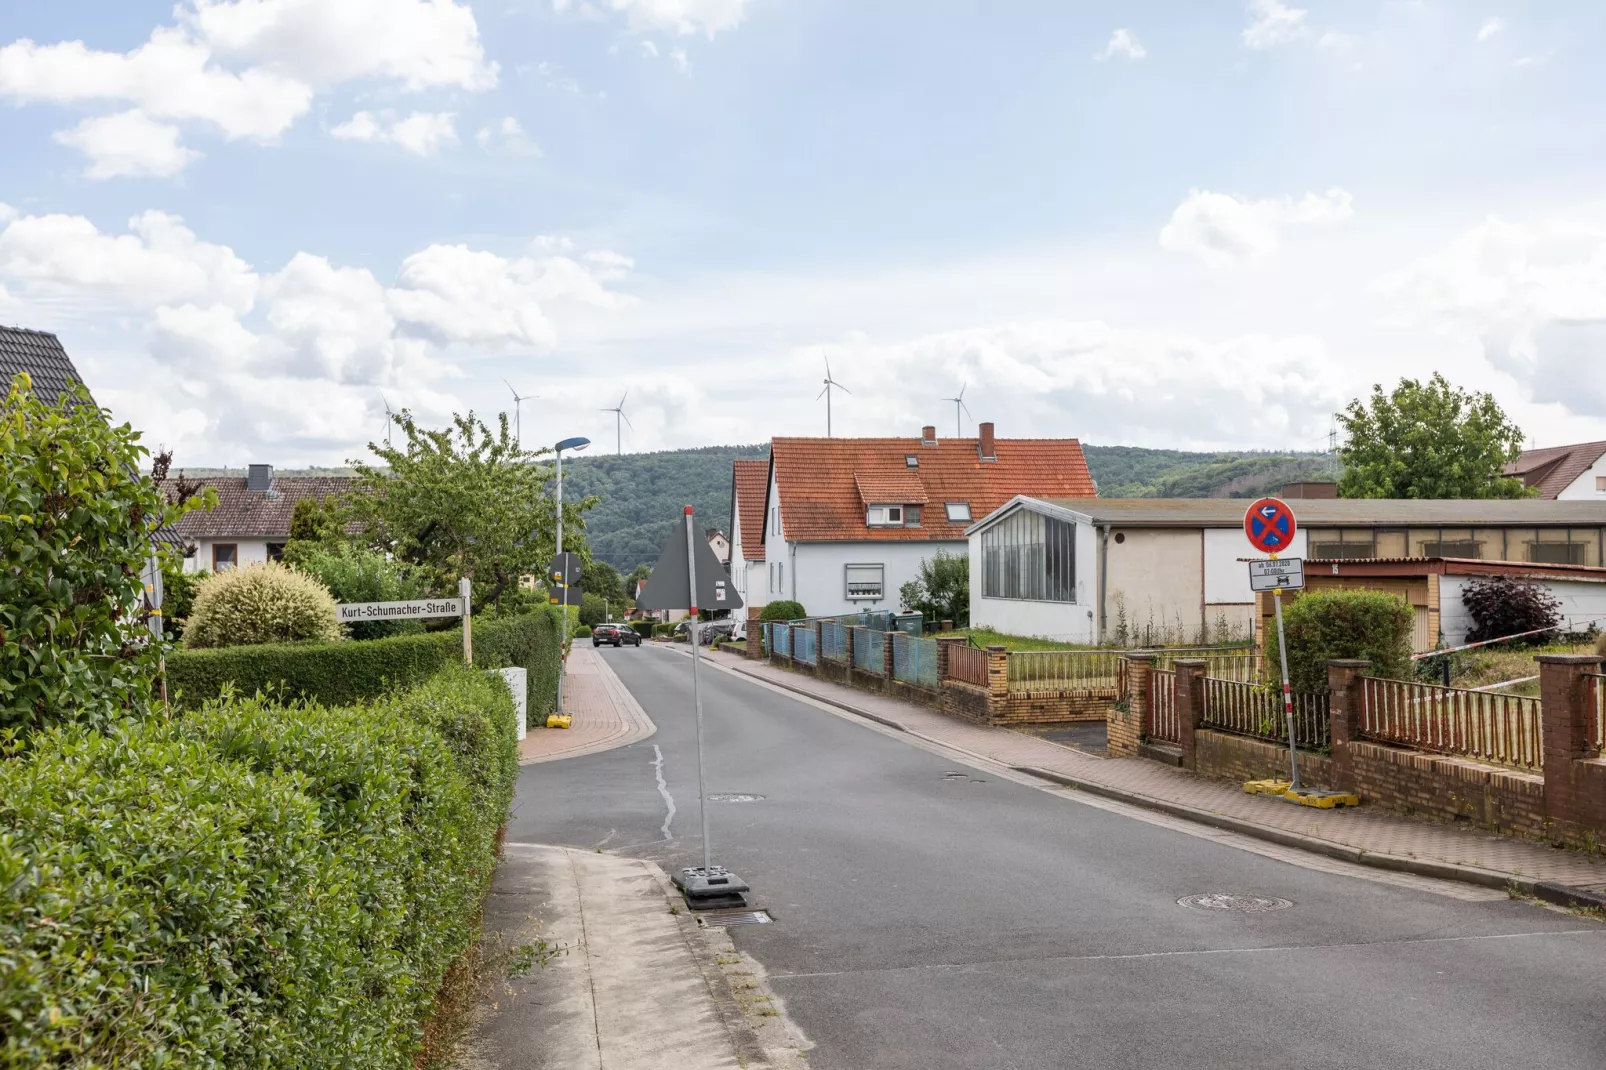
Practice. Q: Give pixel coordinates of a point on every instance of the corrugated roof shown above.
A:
(1329, 512)
(40, 355)
(1553, 469)
(243, 513)
(819, 479)
(750, 483)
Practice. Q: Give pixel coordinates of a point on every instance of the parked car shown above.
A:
(707, 633)
(617, 634)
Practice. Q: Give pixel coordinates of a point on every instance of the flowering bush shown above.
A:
(261, 604)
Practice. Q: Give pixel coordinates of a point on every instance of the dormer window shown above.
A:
(884, 516)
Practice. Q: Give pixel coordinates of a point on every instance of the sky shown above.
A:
(1195, 224)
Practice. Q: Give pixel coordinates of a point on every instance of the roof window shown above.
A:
(910, 460)
(958, 512)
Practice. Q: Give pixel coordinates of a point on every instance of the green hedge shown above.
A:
(1343, 624)
(782, 609)
(249, 885)
(643, 628)
(337, 674)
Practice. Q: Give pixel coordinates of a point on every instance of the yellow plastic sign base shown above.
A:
(1324, 800)
(559, 720)
(1267, 787)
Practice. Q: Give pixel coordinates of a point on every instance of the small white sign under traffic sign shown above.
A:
(417, 609)
(1283, 574)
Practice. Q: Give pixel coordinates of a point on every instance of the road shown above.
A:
(930, 914)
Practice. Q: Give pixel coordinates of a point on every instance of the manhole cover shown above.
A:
(1234, 904)
(736, 917)
(733, 796)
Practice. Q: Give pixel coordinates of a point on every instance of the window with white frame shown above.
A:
(865, 581)
(1029, 556)
(958, 512)
(884, 516)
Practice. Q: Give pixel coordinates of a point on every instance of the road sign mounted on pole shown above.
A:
(1269, 523)
(1282, 574)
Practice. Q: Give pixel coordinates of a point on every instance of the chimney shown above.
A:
(259, 478)
(985, 446)
(928, 435)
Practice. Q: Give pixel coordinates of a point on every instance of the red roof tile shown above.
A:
(1555, 468)
(820, 481)
(750, 484)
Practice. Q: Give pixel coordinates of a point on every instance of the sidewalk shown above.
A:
(605, 714)
(1367, 835)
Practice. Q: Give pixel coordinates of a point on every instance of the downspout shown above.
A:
(1104, 578)
(791, 553)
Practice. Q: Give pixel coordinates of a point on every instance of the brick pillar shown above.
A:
(755, 632)
(1572, 793)
(853, 657)
(997, 683)
(817, 626)
(946, 626)
(1190, 707)
(1124, 729)
(886, 659)
(946, 643)
(1344, 706)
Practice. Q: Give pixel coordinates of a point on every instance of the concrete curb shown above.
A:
(1550, 892)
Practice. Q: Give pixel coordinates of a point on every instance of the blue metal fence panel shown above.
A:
(783, 640)
(861, 649)
(875, 652)
(804, 647)
(914, 661)
(833, 641)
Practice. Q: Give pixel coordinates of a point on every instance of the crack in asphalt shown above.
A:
(663, 788)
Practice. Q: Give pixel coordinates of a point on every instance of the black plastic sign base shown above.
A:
(710, 889)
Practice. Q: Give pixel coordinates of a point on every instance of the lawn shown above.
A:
(1493, 665)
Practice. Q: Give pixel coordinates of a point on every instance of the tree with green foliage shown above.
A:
(1428, 440)
(315, 524)
(1323, 625)
(603, 580)
(593, 609)
(358, 574)
(464, 501)
(77, 521)
(941, 590)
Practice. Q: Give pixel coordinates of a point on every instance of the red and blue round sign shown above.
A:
(1270, 525)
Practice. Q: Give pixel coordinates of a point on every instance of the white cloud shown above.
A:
(506, 135)
(421, 133)
(64, 259)
(129, 143)
(1534, 298)
(1220, 228)
(1122, 43)
(1273, 23)
(679, 16)
(1489, 28)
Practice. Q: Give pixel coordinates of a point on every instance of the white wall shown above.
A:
(248, 552)
(1583, 488)
(1226, 577)
(1582, 603)
(1068, 622)
(817, 573)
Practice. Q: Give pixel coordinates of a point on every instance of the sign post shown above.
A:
(1270, 526)
(465, 591)
(151, 577)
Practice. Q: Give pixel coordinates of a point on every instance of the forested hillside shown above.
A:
(1134, 472)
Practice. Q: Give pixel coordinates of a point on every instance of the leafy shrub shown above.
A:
(942, 591)
(580, 630)
(353, 574)
(643, 628)
(178, 598)
(1505, 605)
(662, 630)
(265, 603)
(337, 674)
(593, 609)
(1343, 624)
(250, 885)
(76, 520)
(785, 609)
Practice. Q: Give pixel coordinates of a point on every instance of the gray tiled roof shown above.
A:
(41, 356)
(243, 513)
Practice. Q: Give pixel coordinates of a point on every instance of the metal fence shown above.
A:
(781, 640)
(1164, 724)
(1066, 670)
(870, 651)
(967, 664)
(914, 661)
(833, 641)
(1256, 710)
(805, 648)
(1484, 725)
(1595, 710)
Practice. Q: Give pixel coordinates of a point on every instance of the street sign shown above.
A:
(563, 594)
(151, 578)
(670, 585)
(1284, 574)
(1270, 525)
(417, 609)
(564, 570)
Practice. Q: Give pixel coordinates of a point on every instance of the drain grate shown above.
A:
(736, 917)
(1226, 902)
(734, 796)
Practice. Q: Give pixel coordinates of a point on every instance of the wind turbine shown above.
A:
(390, 419)
(618, 432)
(959, 406)
(826, 394)
(518, 412)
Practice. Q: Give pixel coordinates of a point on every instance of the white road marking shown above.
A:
(663, 788)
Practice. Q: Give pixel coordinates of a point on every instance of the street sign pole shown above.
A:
(1288, 693)
(465, 591)
(696, 693)
(564, 608)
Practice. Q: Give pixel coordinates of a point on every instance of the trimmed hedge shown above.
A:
(250, 885)
(338, 674)
(643, 628)
(1343, 624)
(782, 609)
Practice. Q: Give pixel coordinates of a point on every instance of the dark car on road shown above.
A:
(617, 634)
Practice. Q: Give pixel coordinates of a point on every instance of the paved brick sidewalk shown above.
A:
(605, 714)
(1374, 832)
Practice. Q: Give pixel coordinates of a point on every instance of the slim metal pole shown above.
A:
(696, 693)
(1288, 693)
(563, 607)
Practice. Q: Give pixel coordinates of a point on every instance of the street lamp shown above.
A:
(577, 444)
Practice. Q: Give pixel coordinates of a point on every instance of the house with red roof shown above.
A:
(1564, 473)
(750, 481)
(846, 522)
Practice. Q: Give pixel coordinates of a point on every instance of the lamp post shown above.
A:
(576, 444)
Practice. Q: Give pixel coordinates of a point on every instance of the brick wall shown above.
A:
(966, 701)
(1054, 707)
(1449, 788)
(1223, 754)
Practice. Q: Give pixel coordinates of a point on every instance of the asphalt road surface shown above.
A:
(930, 915)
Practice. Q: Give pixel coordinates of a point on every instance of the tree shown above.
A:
(77, 520)
(1506, 605)
(1429, 440)
(602, 579)
(942, 590)
(357, 574)
(463, 501)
